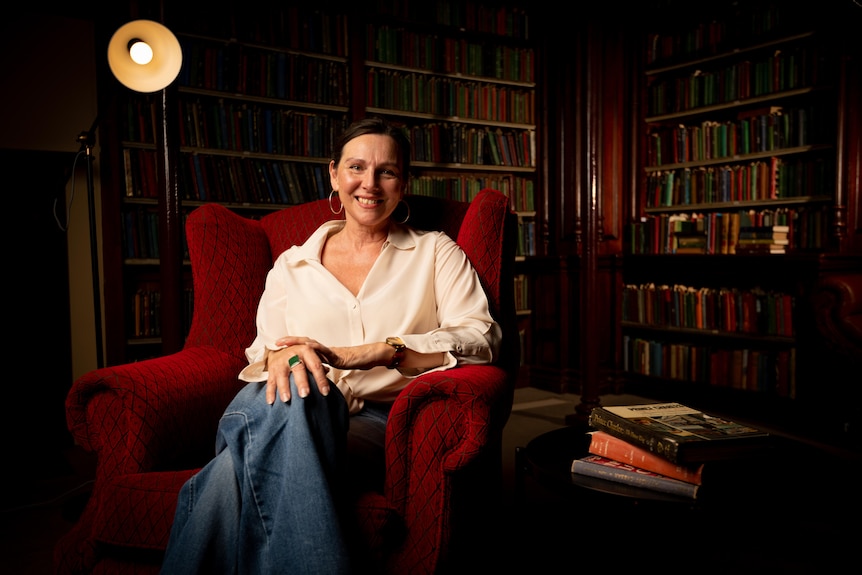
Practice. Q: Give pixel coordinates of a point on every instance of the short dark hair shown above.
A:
(376, 125)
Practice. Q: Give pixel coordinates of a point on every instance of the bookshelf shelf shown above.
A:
(727, 54)
(739, 158)
(702, 111)
(456, 166)
(296, 104)
(740, 204)
(436, 117)
(631, 326)
(454, 75)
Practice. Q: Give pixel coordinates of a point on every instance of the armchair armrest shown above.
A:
(443, 444)
(155, 414)
(448, 417)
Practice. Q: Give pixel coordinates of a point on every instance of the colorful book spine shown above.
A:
(604, 468)
(611, 447)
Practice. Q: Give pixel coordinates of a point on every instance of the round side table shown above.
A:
(548, 458)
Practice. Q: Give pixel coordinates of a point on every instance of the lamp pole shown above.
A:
(87, 141)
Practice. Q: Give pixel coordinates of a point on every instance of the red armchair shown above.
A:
(152, 423)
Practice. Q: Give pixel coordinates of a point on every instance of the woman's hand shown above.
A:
(279, 368)
(313, 355)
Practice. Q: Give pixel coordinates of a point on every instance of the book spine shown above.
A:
(607, 445)
(620, 427)
(634, 477)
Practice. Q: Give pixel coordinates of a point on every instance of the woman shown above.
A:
(345, 321)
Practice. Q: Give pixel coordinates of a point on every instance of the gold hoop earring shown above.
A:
(331, 209)
(407, 217)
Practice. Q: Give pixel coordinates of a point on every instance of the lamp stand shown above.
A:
(88, 140)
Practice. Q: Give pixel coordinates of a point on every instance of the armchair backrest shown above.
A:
(231, 255)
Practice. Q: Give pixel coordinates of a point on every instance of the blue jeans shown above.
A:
(272, 499)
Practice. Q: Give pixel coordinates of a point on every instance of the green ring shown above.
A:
(294, 361)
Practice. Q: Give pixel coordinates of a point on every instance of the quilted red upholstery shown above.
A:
(152, 423)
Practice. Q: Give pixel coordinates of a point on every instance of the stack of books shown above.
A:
(662, 446)
(690, 242)
(755, 240)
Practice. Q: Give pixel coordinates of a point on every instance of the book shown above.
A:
(612, 447)
(679, 433)
(604, 468)
(744, 249)
(774, 232)
(690, 242)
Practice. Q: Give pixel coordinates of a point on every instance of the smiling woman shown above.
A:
(346, 321)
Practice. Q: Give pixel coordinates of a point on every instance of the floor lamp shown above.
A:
(146, 57)
(87, 141)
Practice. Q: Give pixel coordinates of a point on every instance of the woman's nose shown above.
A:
(369, 181)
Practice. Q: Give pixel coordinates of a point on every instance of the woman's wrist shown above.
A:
(399, 351)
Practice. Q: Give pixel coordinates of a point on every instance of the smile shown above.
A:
(368, 202)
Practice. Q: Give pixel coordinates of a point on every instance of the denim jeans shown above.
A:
(271, 500)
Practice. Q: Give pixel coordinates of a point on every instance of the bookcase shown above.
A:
(262, 94)
(253, 115)
(461, 78)
(745, 105)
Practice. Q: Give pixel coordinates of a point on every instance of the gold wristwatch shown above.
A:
(399, 346)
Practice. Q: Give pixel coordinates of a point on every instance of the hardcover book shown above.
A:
(604, 468)
(611, 447)
(679, 433)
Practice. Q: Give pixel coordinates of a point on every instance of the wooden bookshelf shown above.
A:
(262, 94)
(743, 123)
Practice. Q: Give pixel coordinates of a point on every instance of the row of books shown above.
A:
(292, 27)
(783, 70)
(243, 127)
(451, 143)
(216, 123)
(768, 371)
(390, 45)
(522, 292)
(146, 311)
(772, 179)
(227, 124)
(464, 187)
(238, 69)
(753, 311)
(502, 20)
(719, 230)
(759, 130)
(443, 96)
(715, 35)
(141, 234)
(229, 179)
(526, 245)
(755, 240)
(664, 447)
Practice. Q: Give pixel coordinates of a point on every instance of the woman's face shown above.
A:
(368, 179)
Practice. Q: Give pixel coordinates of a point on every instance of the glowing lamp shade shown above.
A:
(161, 70)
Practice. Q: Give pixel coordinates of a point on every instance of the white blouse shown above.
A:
(422, 288)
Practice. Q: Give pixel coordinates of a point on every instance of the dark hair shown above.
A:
(376, 125)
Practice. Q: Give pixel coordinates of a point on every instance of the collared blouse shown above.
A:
(422, 288)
